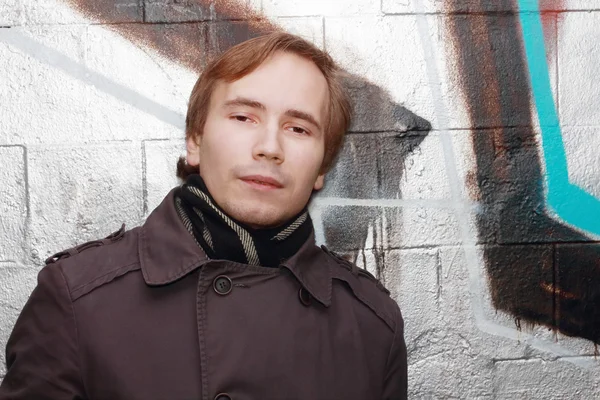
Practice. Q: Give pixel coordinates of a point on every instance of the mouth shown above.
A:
(262, 182)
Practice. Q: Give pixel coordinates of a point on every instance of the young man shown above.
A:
(222, 293)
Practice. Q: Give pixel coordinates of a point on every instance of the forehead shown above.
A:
(284, 81)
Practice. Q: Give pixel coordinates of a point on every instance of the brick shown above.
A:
(576, 288)
(309, 28)
(570, 346)
(375, 110)
(43, 101)
(509, 155)
(463, 293)
(299, 8)
(81, 193)
(404, 272)
(539, 379)
(466, 162)
(355, 173)
(436, 6)
(519, 280)
(170, 11)
(161, 161)
(577, 48)
(127, 104)
(11, 13)
(581, 5)
(391, 166)
(522, 218)
(13, 203)
(109, 12)
(467, 306)
(412, 167)
(178, 11)
(493, 37)
(372, 260)
(346, 228)
(581, 144)
(454, 371)
(434, 339)
(33, 12)
(368, 47)
(224, 35)
(16, 284)
(420, 227)
(508, 180)
(453, 295)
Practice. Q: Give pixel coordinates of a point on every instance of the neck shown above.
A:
(223, 237)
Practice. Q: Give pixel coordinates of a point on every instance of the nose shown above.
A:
(268, 144)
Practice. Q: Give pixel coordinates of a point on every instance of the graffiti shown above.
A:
(534, 223)
(540, 269)
(571, 203)
(207, 28)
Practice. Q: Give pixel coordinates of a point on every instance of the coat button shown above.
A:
(222, 396)
(222, 285)
(304, 296)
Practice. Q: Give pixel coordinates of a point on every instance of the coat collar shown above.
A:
(312, 267)
(168, 252)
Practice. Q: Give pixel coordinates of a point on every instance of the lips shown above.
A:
(263, 180)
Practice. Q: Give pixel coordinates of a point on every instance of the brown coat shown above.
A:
(145, 315)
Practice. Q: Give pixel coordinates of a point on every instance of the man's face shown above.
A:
(263, 142)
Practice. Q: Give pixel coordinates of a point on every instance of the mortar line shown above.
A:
(395, 203)
(141, 22)
(144, 180)
(416, 132)
(556, 66)
(495, 13)
(438, 269)
(26, 180)
(324, 35)
(555, 297)
(27, 227)
(457, 245)
(555, 243)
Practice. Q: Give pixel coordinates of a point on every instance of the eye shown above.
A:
(241, 118)
(299, 130)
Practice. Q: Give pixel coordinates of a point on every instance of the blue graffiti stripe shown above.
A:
(569, 202)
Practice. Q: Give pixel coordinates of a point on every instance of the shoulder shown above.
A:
(367, 289)
(95, 263)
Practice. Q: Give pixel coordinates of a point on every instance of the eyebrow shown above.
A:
(243, 101)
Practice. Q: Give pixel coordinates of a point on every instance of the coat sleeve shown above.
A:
(395, 386)
(42, 353)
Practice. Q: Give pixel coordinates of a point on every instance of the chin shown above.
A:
(258, 216)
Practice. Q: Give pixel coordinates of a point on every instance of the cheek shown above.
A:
(307, 163)
(220, 142)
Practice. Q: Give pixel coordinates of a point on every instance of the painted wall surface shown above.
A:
(469, 183)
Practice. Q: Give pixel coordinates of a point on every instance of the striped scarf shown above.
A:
(222, 237)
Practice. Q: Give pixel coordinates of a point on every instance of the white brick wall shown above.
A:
(91, 125)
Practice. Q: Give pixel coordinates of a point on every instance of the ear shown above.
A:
(192, 145)
(319, 182)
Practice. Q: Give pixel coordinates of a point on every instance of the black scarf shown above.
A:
(222, 237)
